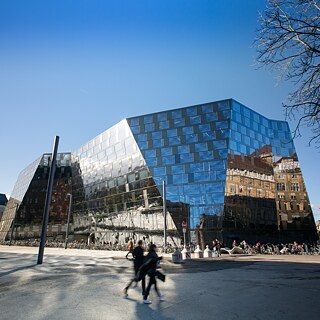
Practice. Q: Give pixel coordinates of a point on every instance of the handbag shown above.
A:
(161, 276)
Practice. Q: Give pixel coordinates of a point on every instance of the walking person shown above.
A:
(150, 268)
(130, 247)
(214, 246)
(138, 256)
(218, 247)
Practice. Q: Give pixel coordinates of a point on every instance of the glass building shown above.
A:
(230, 172)
(23, 214)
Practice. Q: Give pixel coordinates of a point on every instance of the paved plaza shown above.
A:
(86, 284)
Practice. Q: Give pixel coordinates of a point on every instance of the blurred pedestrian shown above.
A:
(130, 247)
(218, 247)
(150, 268)
(138, 256)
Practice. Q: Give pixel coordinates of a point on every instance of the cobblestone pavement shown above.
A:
(85, 284)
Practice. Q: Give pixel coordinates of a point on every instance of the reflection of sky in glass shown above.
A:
(187, 148)
(192, 154)
(251, 131)
(24, 180)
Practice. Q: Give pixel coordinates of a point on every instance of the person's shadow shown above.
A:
(144, 311)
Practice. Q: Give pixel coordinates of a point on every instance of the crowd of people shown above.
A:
(280, 248)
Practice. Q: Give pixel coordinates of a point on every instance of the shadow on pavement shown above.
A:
(203, 265)
(2, 274)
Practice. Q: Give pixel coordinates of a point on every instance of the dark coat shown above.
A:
(149, 266)
(138, 257)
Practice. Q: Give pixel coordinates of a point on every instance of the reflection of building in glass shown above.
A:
(250, 207)
(291, 197)
(26, 203)
(220, 162)
(114, 192)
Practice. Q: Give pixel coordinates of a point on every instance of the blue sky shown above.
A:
(75, 68)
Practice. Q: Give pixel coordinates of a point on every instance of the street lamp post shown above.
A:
(68, 220)
(48, 200)
(164, 216)
(14, 223)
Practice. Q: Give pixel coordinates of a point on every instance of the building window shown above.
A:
(233, 189)
(191, 111)
(176, 114)
(281, 186)
(295, 187)
(280, 196)
(149, 127)
(164, 124)
(166, 151)
(179, 123)
(186, 157)
(195, 120)
(293, 197)
(174, 141)
(280, 176)
(172, 133)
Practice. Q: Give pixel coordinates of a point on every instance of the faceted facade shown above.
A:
(114, 194)
(229, 172)
(24, 211)
(219, 162)
(188, 149)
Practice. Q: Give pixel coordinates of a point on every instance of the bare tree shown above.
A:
(288, 42)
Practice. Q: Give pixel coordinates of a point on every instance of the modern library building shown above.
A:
(227, 171)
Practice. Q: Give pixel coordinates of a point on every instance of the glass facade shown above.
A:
(230, 172)
(114, 192)
(191, 158)
(255, 202)
(26, 203)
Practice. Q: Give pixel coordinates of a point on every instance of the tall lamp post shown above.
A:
(68, 220)
(164, 216)
(48, 200)
(14, 223)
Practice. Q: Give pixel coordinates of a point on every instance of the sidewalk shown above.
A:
(85, 284)
(70, 252)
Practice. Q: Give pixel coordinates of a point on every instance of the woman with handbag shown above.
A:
(150, 268)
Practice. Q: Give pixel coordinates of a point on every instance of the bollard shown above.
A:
(185, 254)
(198, 253)
(177, 256)
(207, 252)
